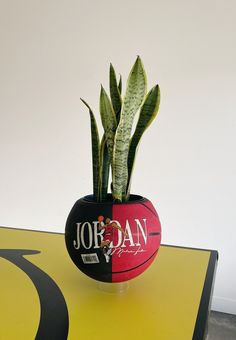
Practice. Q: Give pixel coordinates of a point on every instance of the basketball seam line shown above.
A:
(154, 213)
(127, 270)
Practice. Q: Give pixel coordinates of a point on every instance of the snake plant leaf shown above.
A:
(148, 112)
(108, 120)
(120, 85)
(104, 169)
(95, 152)
(134, 95)
(114, 92)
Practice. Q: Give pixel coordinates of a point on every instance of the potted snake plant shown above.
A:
(114, 236)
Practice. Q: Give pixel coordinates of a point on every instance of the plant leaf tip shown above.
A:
(83, 101)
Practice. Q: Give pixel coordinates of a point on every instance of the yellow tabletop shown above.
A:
(163, 303)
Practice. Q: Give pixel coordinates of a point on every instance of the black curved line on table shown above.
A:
(54, 320)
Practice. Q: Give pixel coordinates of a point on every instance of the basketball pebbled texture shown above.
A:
(113, 242)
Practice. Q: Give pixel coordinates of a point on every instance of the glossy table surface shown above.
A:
(44, 296)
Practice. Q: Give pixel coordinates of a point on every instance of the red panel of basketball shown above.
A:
(136, 245)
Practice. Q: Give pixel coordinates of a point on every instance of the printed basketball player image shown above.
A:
(108, 228)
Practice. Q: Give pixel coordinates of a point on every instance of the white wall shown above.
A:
(53, 52)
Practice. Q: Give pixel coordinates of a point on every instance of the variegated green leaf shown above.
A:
(148, 112)
(134, 95)
(108, 120)
(120, 85)
(95, 152)
(104, 169)
(115, 93)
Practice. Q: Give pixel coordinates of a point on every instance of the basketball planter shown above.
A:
(113, 237)
(113, 242)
